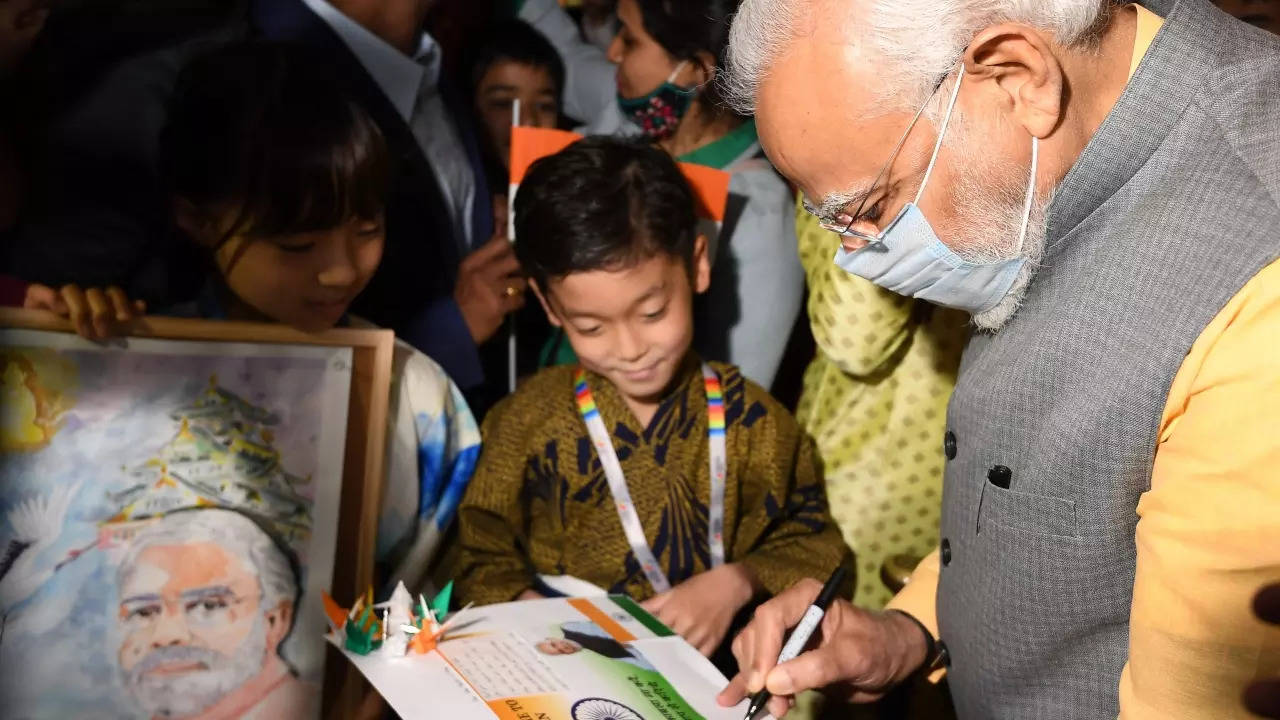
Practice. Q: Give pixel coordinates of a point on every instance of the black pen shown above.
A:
(801, 634)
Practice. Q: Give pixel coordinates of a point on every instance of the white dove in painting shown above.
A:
(37, 522)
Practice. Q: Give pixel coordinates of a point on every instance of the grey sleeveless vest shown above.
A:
(1171, 209)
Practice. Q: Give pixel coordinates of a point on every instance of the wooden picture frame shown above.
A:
(363, 463)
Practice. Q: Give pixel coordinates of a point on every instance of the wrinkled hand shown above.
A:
(857, 655)
(701, 608)
(96, 313)
(1263, 697)
(489, 287)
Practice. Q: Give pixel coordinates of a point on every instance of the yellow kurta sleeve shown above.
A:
(920, 597)
(491, 517)
(1208, 535)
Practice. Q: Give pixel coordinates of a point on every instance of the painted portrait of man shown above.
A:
(206, 600)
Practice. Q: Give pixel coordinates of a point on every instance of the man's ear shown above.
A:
(546, 306)
(1021, 69)
(279, 621)
(701, 265)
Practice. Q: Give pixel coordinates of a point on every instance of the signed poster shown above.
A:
(168, 517)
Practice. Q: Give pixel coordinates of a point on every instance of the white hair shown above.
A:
(917, 41)
(231, 531)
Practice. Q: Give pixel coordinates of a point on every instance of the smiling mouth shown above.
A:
(642, 373)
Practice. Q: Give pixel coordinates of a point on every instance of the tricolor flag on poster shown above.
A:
(710, 186)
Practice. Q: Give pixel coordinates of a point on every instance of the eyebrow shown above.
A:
(196, 594)
(834, 203)
(204, 592)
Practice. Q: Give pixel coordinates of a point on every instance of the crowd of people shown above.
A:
(953, 333)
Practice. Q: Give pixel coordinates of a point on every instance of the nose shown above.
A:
(852, 243)
(339, 268)
(170, 629)
(614, 52)
(630, 346)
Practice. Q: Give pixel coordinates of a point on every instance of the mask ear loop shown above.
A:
(672, 77)
(1031, 191)
(946, 121)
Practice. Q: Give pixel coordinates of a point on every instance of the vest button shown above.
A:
(1000, 476)
(949, 445)
(945, 552)
(944, 655)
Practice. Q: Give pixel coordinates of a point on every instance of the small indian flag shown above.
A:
(710, 186)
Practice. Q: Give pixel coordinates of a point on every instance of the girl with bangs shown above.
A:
(283, 181)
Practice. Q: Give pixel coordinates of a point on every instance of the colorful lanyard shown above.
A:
(618, 484)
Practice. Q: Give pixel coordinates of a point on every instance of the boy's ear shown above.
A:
(701, 265)
(546, 306)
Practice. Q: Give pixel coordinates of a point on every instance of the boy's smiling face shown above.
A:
(632, 324)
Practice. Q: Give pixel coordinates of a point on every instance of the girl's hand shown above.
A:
(96, 313)
(701, 608)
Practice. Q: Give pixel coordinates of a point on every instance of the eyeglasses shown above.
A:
(843, 223)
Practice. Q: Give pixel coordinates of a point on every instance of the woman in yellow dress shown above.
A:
(875, 401)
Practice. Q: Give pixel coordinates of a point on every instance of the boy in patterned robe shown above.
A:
(607, 233)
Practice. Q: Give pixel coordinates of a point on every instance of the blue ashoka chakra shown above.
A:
(601, 709)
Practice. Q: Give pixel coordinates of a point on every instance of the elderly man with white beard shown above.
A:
(1098, 184)
(207, 600)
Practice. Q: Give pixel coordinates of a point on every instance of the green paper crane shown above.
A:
(365, 634)
(440, 603)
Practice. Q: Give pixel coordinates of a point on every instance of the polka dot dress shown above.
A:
(875, 399)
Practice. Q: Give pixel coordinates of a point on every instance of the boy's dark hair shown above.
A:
(685, 28)
(515, 41)
(259, 130)
(602, 203)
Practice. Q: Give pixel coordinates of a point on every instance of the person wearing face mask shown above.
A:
(1096, 184)
(666, 53)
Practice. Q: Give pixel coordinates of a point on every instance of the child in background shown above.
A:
(514, 62)
(282, 180)
(607, 234)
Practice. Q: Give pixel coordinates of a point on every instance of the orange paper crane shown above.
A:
(427, 631)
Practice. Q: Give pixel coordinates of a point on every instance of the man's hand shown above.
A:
(489, 287)
(701, 608)
(1263, 697)
(96, 313)
(858, 655)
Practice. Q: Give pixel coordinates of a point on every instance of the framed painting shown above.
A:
(172, 504)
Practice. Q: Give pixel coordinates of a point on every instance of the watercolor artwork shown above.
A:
(168, 519)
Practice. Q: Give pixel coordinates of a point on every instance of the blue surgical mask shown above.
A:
(659, 112)
(910, 260)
